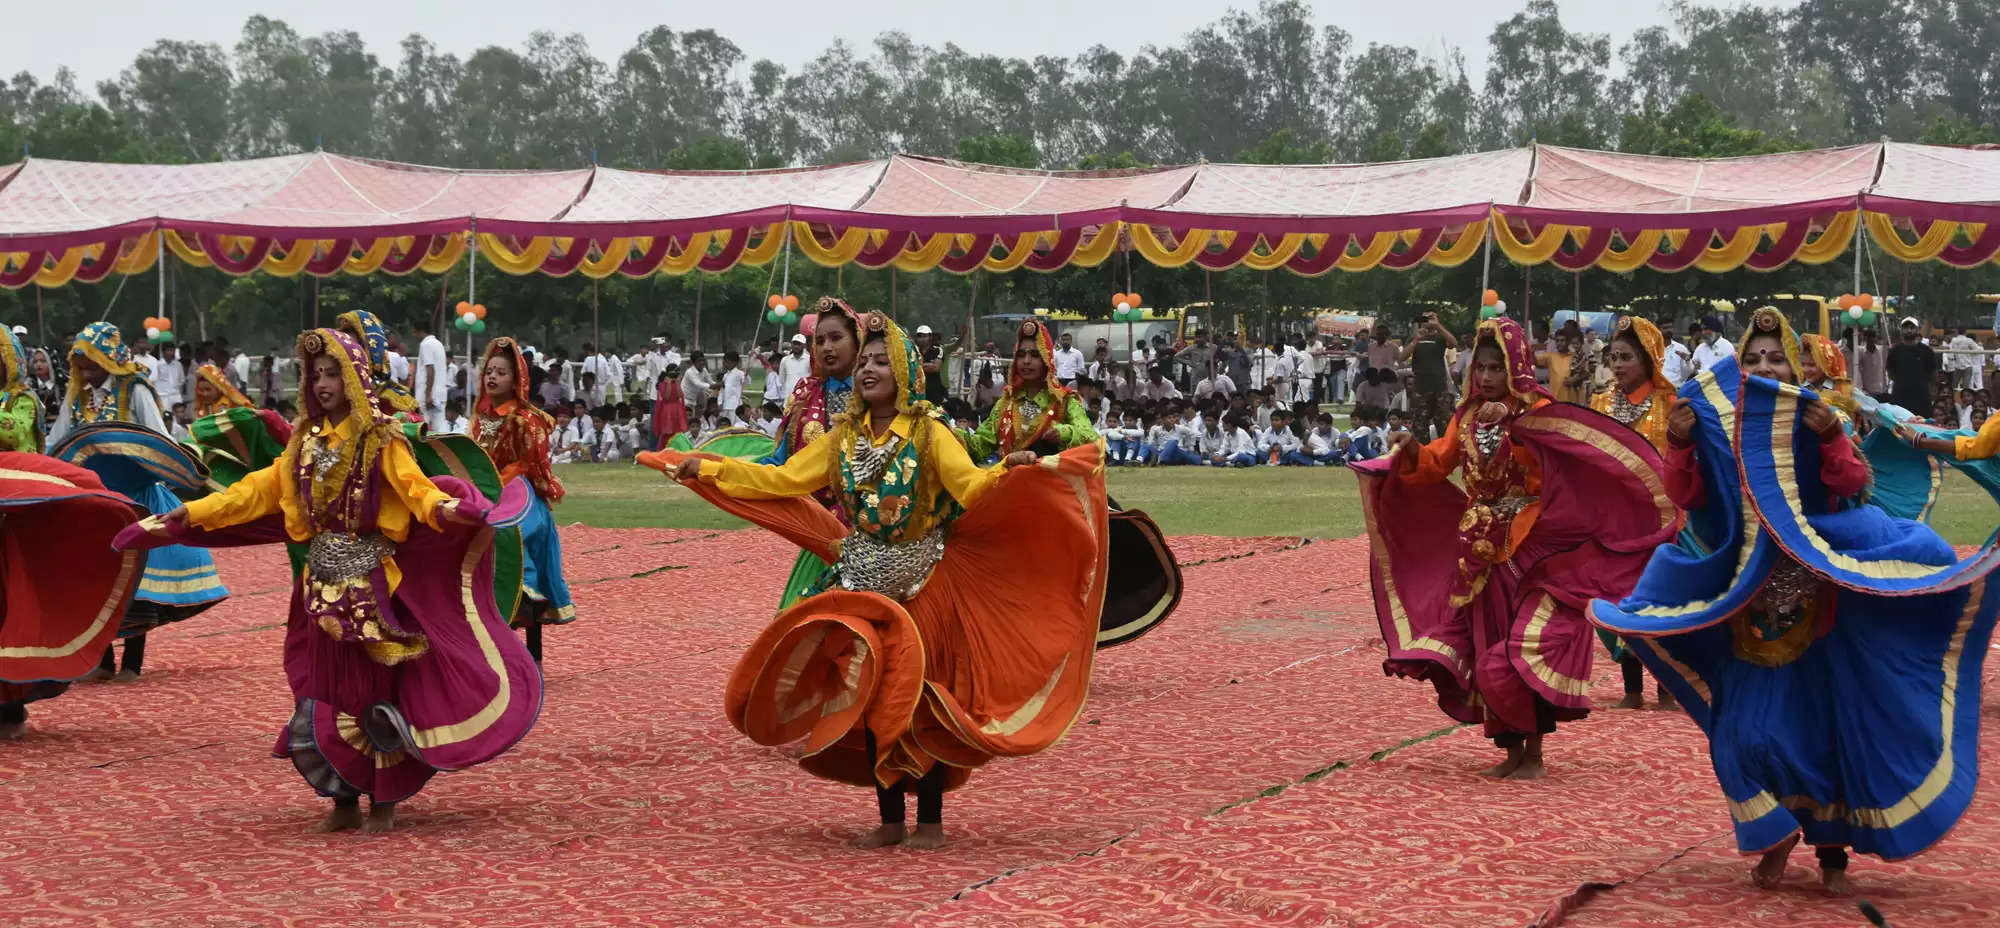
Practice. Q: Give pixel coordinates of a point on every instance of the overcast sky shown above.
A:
(98, 38)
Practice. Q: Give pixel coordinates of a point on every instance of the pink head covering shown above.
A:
(1513, 344)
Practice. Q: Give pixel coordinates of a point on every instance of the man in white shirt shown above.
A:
(1215, 382)
(239, 365)
(1158, 387)
(1677, 361)
(399, 366)
(733, 379)
(590, 392)
(433, 377)
(1713, 347)
(695, 385)
(792, 368)
(1962, 356)
(169, 377)
(1069, 361)
(1305, 371)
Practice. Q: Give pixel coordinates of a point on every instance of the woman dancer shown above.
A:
(516, 435)
(1830, 651)
(110, 424)
(399, 662)
(66, 592)
(20, 407)
(234, 436)
(1037, 413)
(397, 401)
(942, 635)
(1560, 504)
(815, 403)
(1639, 399)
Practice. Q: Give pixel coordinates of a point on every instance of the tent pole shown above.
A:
(596, 334)
(160, 259)
(698, 279)
(471, 289)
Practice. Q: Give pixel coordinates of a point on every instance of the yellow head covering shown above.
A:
(231, 398)
(1767, 320)
(1833, 366)
(1652, 422)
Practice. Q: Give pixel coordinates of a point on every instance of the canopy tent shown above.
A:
(325, 214)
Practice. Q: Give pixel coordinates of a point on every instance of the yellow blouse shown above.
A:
(406, 491)
(1983, 445)
(807, 472)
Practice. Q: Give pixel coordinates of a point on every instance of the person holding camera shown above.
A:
(1431, 406)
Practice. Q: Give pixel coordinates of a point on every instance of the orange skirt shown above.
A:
(991, 658)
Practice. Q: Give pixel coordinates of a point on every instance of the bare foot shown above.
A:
(1771, 867)
(342, 818)
(882, 836)
(1667, 700)
(1530, 769)
(97, 675)
(1504, 767)
(1631, 701)
(11, 730)
(925, 838)
(125, 676)
(381, 819)
(1836, 883)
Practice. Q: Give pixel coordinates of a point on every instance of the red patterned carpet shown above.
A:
(1248, 764)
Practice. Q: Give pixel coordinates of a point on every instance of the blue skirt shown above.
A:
(179, 582)
(543, 590)
(1869, 739)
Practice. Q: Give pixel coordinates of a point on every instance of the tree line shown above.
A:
(1269, 85)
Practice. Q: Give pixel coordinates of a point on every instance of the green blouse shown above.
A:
(1071, 426)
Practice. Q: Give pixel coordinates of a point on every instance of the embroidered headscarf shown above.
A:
(15, 380)
(1010, 426)
(99, 345)
(376, 429)
(231, 398)
(1833, 366)
(1506, 334)
(524, 403)
(1767, 320)
(16, 383)
(336, 487)
(374, 338)
(906, 365)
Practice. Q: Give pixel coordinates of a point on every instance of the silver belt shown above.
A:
(896, 570)
(336, 556)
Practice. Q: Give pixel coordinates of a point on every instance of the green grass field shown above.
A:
(1319, 502)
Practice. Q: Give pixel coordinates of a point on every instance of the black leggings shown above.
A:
(135, 655)
(1545, 723)
(535, 641)
(1635, 674)
(1831, 858)
(13, 713)
(930, 794)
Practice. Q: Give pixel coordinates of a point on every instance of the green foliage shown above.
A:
(1006, 150)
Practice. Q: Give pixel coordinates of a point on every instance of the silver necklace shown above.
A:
(869, 459)
(1627, 412)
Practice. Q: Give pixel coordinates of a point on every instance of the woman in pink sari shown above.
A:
(670, 414)
(1481, 591)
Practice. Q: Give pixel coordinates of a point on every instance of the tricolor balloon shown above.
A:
(159, 329)
(469, 317)
(1126, 307)
(780, 307)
